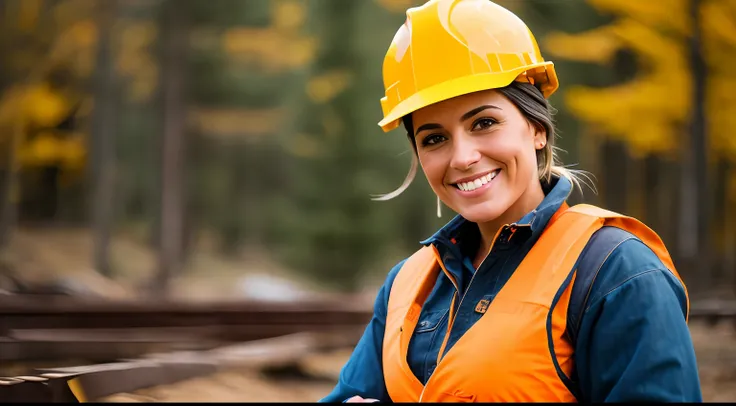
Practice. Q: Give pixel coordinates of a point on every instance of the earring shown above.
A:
(439, 207)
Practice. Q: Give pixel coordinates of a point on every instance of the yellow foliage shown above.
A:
(83, 33)
(632, 113)
(668, 14)
(41, 107)
(138, 35)
(275, 50)
(73, 153)
(135, 62)
(649, 113)
(303, 146)
(47, 148)
(68, 11)
(288, 15)
(597, 45)
(29, 13)
(325, 87)
(667, 54)
(721, 22)
(11, 107)
(721, 108)
(236, 122)
(76, 47)
(42, 150)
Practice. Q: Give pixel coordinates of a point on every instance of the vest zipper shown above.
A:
(452, 322)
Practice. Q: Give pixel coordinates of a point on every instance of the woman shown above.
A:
(520, 297)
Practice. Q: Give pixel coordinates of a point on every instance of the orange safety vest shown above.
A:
(505, 356)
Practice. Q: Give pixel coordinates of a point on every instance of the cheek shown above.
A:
(507, 150)
(434, 167)
(518, 153)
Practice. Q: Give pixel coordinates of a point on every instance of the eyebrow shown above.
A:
(471, 113)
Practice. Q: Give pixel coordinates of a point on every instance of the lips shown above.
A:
(472, 184)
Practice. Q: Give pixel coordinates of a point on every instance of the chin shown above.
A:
(481, 214)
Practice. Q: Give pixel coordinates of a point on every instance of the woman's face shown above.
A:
(478, 153)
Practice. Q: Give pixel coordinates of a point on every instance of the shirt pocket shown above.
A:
(429, 321)
(422, 349)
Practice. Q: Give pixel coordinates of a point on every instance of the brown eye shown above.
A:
(483, 124)
(432, 139)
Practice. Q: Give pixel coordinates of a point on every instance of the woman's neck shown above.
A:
(527, 202)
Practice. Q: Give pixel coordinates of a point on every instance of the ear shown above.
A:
(540, 137)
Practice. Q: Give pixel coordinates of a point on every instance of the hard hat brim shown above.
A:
(465, 85)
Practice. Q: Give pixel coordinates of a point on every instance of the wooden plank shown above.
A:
(102, 335)
(713, 308)
(91, 382)
(168, 368)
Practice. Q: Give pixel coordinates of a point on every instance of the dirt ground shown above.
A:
(233, 386)
(715, 347)
(315, 377)
(716, 351)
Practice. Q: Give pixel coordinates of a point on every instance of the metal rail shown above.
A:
(98, 331)
(102, 330)
(713, 311)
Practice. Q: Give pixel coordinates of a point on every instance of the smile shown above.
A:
(477, 183)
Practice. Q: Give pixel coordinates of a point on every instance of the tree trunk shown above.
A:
(694, 236)
(635, 192)
(102, 156)
(591, 160)
(614, 175)
(10, 185)
(730, 225)
(653, 185)
(727, 215)
(172, 146)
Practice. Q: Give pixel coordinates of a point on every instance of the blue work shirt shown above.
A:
(633, 346)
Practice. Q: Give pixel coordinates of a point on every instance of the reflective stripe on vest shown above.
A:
(506, 355)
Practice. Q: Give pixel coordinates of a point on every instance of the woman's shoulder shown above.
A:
(634, 265)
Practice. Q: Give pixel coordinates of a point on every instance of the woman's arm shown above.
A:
(634, 343)
(362, 375)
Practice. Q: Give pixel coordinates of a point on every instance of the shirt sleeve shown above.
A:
(362, 375)
(634, 343)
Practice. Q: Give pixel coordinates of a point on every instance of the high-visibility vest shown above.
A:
(518, 351)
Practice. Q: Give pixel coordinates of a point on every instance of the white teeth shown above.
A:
(470, 186)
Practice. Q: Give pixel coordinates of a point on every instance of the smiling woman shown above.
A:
(519, 298)
(482, 156)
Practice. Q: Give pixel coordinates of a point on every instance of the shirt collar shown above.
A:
(556, 193)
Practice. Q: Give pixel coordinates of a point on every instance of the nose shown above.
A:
(465, 153)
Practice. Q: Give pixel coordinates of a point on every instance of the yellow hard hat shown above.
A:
(447, 48)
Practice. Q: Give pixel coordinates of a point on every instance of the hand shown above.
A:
(358, 399)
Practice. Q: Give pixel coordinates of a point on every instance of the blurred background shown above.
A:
(210, 149)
